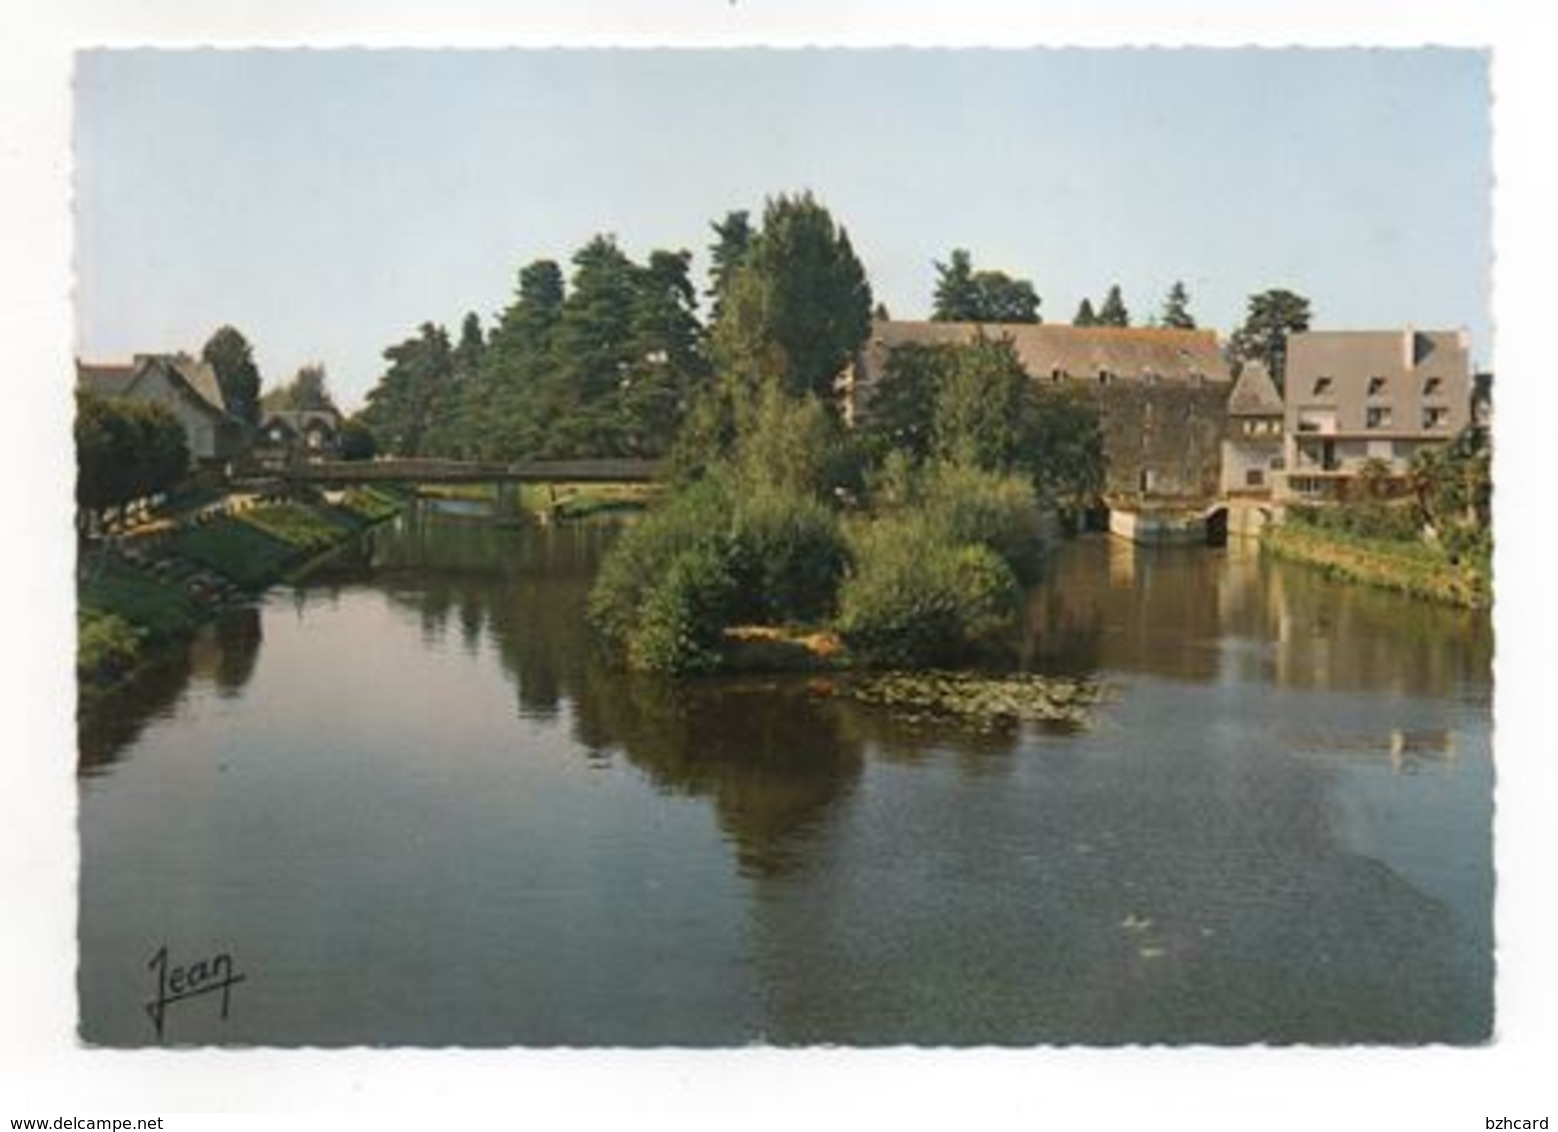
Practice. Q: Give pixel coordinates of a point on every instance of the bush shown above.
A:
(106, 644)
(684, 615)
(914, 597)
(788, 556)
(967, 505)
(698, 518)
(1374, 519)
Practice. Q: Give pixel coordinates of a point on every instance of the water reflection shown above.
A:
(221, 655)
(1234, 616)
(1278, 831)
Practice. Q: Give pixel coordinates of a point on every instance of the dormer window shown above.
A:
(1105, 377)
(1376, 386)
(1322, 386)
(1057, 375)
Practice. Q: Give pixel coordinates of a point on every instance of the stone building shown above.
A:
(1162, 393)
(1252, 446)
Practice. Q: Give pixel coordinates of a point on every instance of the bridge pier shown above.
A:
(506, 503)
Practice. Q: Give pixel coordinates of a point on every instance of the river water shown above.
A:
(409, 805)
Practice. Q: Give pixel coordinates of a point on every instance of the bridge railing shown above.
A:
(470, 471)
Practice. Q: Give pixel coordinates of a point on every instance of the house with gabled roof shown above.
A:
(289, 435)
(186, 386)
(1353, 397)
(1161, 392)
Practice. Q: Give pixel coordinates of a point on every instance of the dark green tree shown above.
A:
(978, 407)
(1085, 315)
(668, 368)
(955, 297)
(472, 345)
(1113, 312)
(1176, 312)
(125, 450)
(232, 358)
(965, 295)
(1062, 445)
(1270, 317)
(901, 413)
(798, 306)
(357, 440)
(407, 400)
(594, 338)
(308, 389)
(726, 255)
(503, 409)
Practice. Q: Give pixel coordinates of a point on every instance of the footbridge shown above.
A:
(409, 470)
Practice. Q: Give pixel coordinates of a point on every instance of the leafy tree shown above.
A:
(308, 389)
(879, 313)
(798, 306)
(473, 344)
(1270, 317)
(1113, 312)
(404, 404)
(979, 406)
(965, 295)
(503, 408)
(1063, 445)
(125, 450)
(726, 255)
(955, 298)
(668, 366)
(1085, 315)
(594, 337)
(1176, 313)
(232, 358)
(901, 414)
(357, 440)
(973, 404)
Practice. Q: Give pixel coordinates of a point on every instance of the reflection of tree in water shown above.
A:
(222, 653)
(523, 588)
(773, 756)
(1107, 604)
(770, 757)
(1184, 613)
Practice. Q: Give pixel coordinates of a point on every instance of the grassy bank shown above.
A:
(554, 501)
(126, 607)
(1416, 568)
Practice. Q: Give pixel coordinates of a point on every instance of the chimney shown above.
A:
(1408, 352)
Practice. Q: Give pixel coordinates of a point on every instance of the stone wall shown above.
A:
(1163, 440)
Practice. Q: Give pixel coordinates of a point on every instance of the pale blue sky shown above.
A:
(328, 202)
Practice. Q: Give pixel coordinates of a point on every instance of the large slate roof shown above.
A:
(1125, 353)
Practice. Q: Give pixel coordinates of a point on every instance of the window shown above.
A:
(1377, 417)
(1436, 417)
(1104, 377)
(1322, 385)
(1433, 386)
(1254, 477)
(1376, 386)
(1057, 375)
